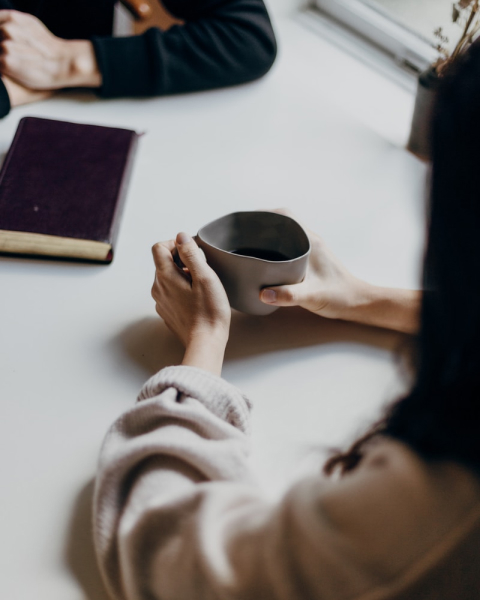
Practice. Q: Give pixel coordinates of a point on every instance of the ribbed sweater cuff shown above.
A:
(4, 100)
(221, 398)
(128, 65)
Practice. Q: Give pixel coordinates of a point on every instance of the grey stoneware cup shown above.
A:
(280, 245)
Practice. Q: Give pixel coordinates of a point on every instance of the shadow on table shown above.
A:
(79, 551)
(151, 346)
(78, 95)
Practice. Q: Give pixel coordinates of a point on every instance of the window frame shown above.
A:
(407, 49)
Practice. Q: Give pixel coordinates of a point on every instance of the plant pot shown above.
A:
(420, 133)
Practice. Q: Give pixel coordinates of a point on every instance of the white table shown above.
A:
(322, 134)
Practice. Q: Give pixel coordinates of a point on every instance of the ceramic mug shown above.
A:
(253, 250)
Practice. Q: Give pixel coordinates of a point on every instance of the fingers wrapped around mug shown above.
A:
(188, 294)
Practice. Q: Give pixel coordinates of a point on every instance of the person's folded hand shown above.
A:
(19, 94)
(38, 60)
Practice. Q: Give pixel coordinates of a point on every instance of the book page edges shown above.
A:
(19, 242)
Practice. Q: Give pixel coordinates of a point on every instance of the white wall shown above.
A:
(281, 8)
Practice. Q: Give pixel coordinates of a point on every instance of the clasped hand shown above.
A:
(30, 54)
(34, 59)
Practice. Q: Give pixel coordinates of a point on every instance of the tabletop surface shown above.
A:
(322, 134)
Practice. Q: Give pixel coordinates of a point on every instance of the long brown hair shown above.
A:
(440, 417)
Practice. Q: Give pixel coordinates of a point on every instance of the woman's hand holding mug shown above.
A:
(192, 302)
(330, 290)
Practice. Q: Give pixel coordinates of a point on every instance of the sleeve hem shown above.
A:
(5, 105)
(222, 398)
(127, 66)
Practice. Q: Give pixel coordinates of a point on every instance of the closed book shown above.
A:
(62, 189)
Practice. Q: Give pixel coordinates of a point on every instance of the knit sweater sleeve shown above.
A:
(4, 100)
(184, 440)
(178, 514)
(221, 43)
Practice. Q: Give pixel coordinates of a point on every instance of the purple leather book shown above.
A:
(62, 189)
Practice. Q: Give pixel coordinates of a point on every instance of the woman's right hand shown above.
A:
(192, 302)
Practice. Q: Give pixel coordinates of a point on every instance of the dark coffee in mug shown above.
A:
(272, 255)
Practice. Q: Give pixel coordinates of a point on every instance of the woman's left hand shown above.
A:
(192, 302)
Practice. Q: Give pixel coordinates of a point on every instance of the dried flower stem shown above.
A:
(471, 30)
(466, 37)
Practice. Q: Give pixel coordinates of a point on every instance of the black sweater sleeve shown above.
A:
(222, 43)
(4, 100)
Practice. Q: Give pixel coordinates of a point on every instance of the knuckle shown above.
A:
(158, 277)
(155, 249)
(157, 255)
(6, 47)
(156, 291)
(161, 252)
(202, 279)
(6, 62)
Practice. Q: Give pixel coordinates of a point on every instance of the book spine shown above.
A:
(121, 195)
(13, 145)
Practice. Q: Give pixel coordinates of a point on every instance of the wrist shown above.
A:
(363, 296)
(81, 65)
(390, 308)
(205, 349)
(215, 335)
(347, 301)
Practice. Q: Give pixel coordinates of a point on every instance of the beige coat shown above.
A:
(179, 517)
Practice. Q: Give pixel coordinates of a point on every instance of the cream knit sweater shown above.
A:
(178, 516)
